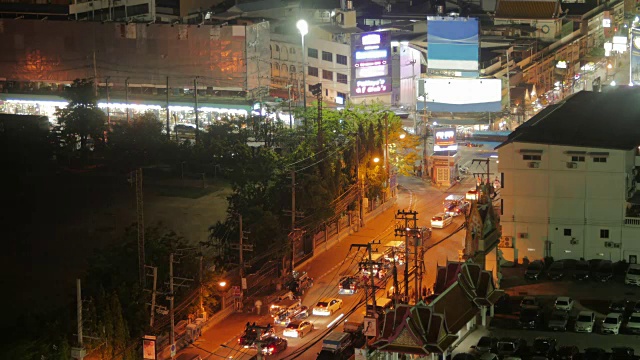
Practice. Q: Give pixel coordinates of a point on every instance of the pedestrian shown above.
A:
(258, 305)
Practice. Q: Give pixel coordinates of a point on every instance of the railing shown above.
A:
(633, 221)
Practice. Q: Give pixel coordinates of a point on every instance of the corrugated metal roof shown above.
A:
(527, 9)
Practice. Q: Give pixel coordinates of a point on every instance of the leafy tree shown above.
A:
(139, 142)
(82, 118)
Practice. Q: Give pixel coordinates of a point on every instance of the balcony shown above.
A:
(632, 221)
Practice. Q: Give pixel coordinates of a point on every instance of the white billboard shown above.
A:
(460, 95)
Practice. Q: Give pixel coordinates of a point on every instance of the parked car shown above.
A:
(567, 352)
(594, 353)
(633, 325)
(563, 303)
(556, 270)
(582, 270)
(274, 345)
(618, 306)
(534, 270)
(558, 320)
(604, 271)
(632, 276)
(585, 322)
(531, 318)
(510, 347)
(486, 344)
(544, 346)
(529, 302)
(611, 324)
(622, 353)
(298, 329)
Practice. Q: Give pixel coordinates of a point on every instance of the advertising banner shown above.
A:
(635, 56)
(460, 95)
(371, 71)
(445, 139)
(149, 347)
(453, 43)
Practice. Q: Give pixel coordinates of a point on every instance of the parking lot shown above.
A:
(589, 295)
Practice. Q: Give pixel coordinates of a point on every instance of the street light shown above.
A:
(303, 28)
(376, 160)
(402, 136)
(222, 283)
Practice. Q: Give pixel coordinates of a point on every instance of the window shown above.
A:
(341, 59)
(327, 56)
(327, 75)
(604, 233)
(340, 98)
(313, 53)
(313, 71)
(342, 78)
(278, 48)
(292, 50)
(284, 69)
(600, 159)
(577, 158)
(567, 232)
(502, 180)
(531, 157)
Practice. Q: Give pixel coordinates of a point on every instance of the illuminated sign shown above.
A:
(364, 87)
(445, 137)
(371, 54)
(606, 23)
(371, 39)
(371, 63)
(372, 71)
(561, 64)
(339, 100)
(620, 40)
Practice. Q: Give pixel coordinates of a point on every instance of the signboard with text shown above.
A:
(371, 70)
(635, 56)
(149, 347)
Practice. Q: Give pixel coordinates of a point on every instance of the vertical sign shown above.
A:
(371, 58)
(635, 56)
(149, 347)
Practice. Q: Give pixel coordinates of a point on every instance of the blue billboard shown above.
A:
(635, 56)
(371, 58)
(453, 44)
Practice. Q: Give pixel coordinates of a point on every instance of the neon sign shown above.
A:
(371, 63)
(371, 54)
(371, 86)
(371, 39)
(372, 71)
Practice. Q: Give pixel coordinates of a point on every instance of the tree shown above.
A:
(82, 118)
(139, 142)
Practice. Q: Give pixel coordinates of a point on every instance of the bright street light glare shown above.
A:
(402, 136)
(376, 159)
(222, 283)
(613, 83)
(303, 27)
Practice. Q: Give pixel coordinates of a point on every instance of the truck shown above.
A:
(337, 345)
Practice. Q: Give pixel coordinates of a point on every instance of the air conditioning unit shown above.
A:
(523, 235)
(572, 165)
(615, 245)
(608, 244)
(533, 165)
(506, 242)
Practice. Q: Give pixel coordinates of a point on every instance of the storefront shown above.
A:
(443, 169)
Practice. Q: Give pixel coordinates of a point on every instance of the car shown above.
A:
(299, 282)
(556, 270)
(326, 307)
(604, 271)
(531, 318)
(618, 306)
(441, 220)
(534, 270)
(486, 344)
(622, 353)
(529, 302)
(633, 325)
(510, 347)
(594, 353)
(274, 345)
(632, 276)
(582, 270)
(567, 352)
(636, 307)
(563, 303)
(348, 285)
(544, 346)
(250, 335)
(585, 321)
(558, 320)
(298, 329)
(611, 324)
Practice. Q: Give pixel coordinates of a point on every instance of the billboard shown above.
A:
(371, 70)
(453, 43)
(635, 56)
(445, 139)
(460, 95)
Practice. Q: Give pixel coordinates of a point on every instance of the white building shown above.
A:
(569, 180)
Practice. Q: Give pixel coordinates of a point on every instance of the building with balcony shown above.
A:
(569, 180)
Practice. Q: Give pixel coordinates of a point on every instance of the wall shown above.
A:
(407, 74)
(548, 29)
(570, 207)
(330, 87)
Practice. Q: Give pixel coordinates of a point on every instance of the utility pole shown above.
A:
(316, 90)
(126, 95)
(195, 93)
(487, 163)
(108, 101)
(168, 113)
(79, 311)
(95, 75)
(360, 185)
(395, 277)
(241, 252)
(406, 229)
(200, 284)
(368, 248)
(293, 201)
(171, 312)
(140, 214)
(386, 151)
(290, 115)
(153, 296)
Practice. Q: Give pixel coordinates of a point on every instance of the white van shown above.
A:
(441, 220)
(632, 277)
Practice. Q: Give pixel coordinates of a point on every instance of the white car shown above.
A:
(611, 324)
(441, 220)
(563, 303)
(633, 326)
(298, 329)
(585, 322)
(632, 277)
(327, 307)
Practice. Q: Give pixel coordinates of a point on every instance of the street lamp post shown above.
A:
(303, 28)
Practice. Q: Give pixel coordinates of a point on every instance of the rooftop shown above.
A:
(605, 120)
(527, 9)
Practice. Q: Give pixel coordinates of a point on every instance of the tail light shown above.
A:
(353, 286)
(272, 348)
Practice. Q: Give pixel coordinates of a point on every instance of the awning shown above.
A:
(459, 122)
